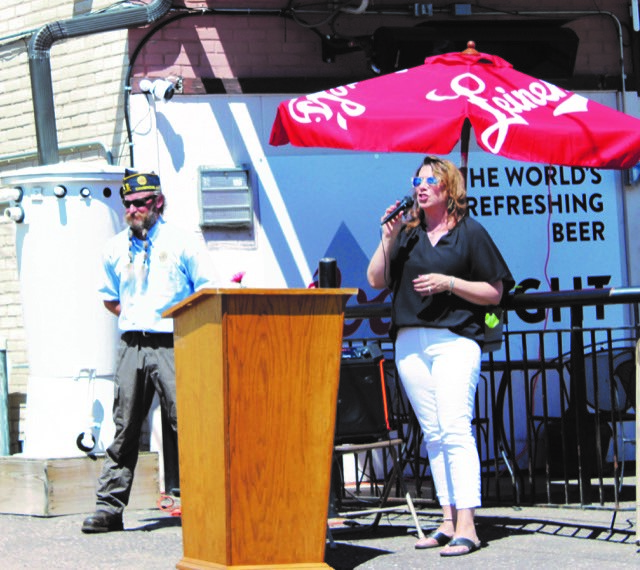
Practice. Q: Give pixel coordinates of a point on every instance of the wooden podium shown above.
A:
(257, 381)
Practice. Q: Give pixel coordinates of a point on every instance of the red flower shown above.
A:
(237, 278)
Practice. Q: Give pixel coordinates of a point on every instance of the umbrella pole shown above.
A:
(464, 148)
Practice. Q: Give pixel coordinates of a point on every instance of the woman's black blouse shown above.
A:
(467, 252)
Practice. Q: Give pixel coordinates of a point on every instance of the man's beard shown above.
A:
(140, 225)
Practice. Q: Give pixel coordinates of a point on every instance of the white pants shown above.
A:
(440, 372)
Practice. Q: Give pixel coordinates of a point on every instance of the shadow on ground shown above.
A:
(156, 523)
(494, 528)
(348, 556)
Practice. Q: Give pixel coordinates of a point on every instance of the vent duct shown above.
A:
(40, 62)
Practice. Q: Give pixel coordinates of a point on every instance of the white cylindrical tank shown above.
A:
(65, 215)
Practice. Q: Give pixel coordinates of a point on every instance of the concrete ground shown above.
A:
(528, 537)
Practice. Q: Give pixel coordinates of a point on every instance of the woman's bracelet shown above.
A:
(451, 284)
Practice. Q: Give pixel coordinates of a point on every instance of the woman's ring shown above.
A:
(429, 288)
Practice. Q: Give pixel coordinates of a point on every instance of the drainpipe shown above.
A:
(40, 63)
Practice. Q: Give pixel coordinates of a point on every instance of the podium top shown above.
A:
(244, 291)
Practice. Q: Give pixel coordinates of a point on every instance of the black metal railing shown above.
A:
(554, 409)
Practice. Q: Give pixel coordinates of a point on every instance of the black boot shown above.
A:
(102, 521)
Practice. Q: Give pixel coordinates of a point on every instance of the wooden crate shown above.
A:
(50, 487)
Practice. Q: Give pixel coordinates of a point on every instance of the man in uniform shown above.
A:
(148, 268)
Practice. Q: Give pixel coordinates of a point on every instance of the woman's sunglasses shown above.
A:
(430, 180)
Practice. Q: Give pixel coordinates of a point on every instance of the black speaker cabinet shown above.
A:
(362, 414)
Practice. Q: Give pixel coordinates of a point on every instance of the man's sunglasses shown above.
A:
(139, 203)
(430, 180)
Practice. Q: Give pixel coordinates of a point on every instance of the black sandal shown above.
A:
(441, 539)
(461, 541)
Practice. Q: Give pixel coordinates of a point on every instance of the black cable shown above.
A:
(178, 15)
(127, 81)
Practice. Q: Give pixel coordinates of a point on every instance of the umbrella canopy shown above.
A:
(423, 109)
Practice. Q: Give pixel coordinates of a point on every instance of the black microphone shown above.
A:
(404, 204)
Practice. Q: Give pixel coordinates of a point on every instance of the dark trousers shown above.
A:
(145, 366)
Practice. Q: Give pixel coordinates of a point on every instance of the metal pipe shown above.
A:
(40, 64)
(4, 405)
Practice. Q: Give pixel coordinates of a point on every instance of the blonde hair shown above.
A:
(453, 181)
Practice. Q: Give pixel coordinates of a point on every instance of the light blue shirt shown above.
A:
(173, 265)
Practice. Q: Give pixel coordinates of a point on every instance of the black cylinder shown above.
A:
(327, 273)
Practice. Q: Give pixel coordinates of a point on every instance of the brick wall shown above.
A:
(234, 44)
(86, 74)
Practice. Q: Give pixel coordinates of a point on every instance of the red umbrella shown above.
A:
(424, 109)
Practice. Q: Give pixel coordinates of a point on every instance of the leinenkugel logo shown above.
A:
(312, 109)
(507, 107)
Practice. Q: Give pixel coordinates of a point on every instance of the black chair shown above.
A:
(363, 430)
(610, 386)
(505, 452)
(609, 381)
(550, 418)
